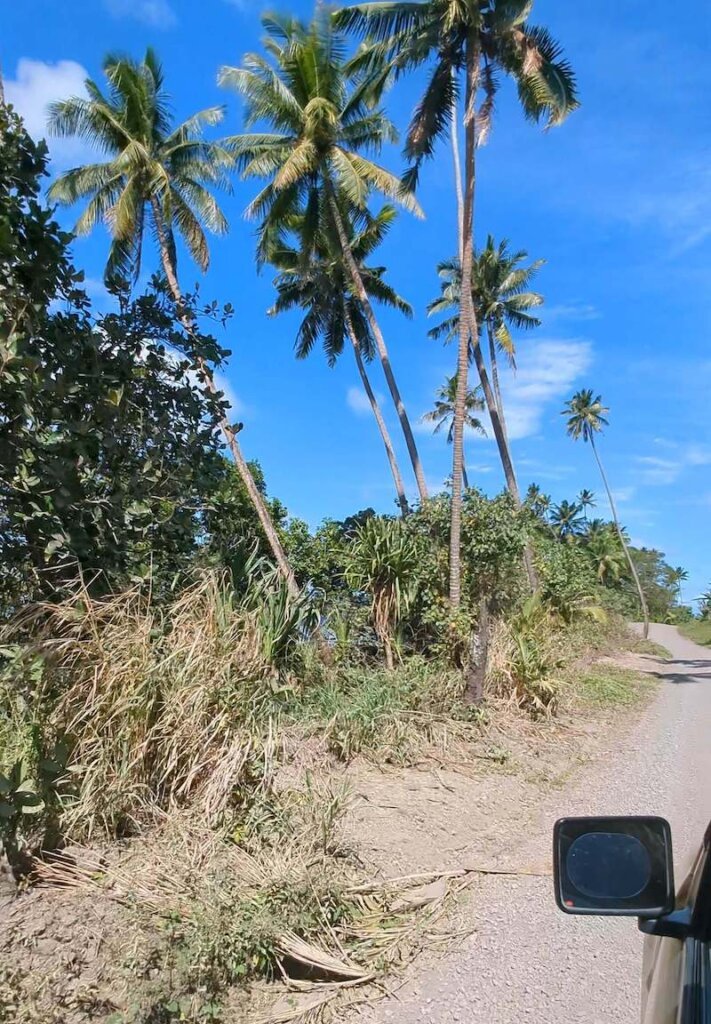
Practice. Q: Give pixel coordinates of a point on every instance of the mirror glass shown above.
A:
(608, 865)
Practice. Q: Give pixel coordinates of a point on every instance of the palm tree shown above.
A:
(153, 172)
(537, 501)
(501, 302)
(442, 415)
(319, 284)
(586, 418)
(153, 169)
(324, 118)
(474, 40)
(586, 500)
(607, 555)
(677, 576)
(566, 520)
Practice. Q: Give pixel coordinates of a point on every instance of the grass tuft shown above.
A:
(608, 686)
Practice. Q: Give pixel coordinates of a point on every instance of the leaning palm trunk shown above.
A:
(628, 556)
(229, 434)
(380, 345)
(382, 427)
(454, 133)
(467, 326)
(493, 358)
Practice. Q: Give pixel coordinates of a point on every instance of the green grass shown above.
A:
(699, 631)
(379, 713)
(606, 686)
(650, 647)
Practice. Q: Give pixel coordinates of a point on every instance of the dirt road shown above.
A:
(529, 962)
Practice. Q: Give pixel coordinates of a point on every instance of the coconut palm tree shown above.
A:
(606, 552)
(501, 302)
(586, 500)
(537, 501)
(153, 172)
(324, 119)
(566, 520)
(319, 284)
(677, 576)
(153, 169)
(586, 418)
(442, 415)
(473, 41)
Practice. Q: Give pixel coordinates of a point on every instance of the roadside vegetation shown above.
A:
(177, 651)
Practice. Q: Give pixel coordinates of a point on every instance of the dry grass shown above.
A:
(158, 707)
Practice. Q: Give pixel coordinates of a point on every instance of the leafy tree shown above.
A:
(162, 173)
(319, 284)
(325, 119)
(472, 41)
(442, 415)
(586, 418)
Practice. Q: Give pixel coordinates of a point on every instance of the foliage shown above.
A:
(442, 415)
(159, 705)
(698, 630)
(382, 562)
(152, 166)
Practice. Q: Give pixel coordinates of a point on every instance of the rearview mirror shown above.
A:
(620, 866)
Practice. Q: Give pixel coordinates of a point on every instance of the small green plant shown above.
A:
(608, 686)
(18, 801)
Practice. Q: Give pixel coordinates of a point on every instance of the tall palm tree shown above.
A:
(318, 283)
(472, 40)
(442, 415)
(501, 301)
(677, 576)
(586, 500)
(586, 418)
(153, 172)
(324, 119)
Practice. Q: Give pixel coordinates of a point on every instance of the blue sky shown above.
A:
(618, 202)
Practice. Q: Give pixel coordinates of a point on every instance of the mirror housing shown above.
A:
(614, 866)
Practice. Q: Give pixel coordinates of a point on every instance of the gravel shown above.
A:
(527, 961)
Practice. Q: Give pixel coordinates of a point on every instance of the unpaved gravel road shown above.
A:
(527, 961)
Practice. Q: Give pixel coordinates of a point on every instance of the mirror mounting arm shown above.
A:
(676, 925)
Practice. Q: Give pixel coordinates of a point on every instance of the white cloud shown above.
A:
(156, 13)
(547, 369)
(623, 494)
(574, 311)
(357, 401)
(236, 405)
(37, 84)
(664, 471)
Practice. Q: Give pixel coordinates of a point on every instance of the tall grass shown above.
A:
(159, 707)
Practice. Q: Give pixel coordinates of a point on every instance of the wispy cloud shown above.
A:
(573, 312)
(659, 471)
(37, 84)
(156, 13)
(547, 369)
(357, 401)
(624, 494)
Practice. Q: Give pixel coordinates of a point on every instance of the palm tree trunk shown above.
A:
(241, 463)
(382, 426)
(454, 138)
(467, 324)
(493, 358)
(380, 345)
(633, 570)
(502, 442)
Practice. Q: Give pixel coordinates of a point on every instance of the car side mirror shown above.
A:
(614, 866)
